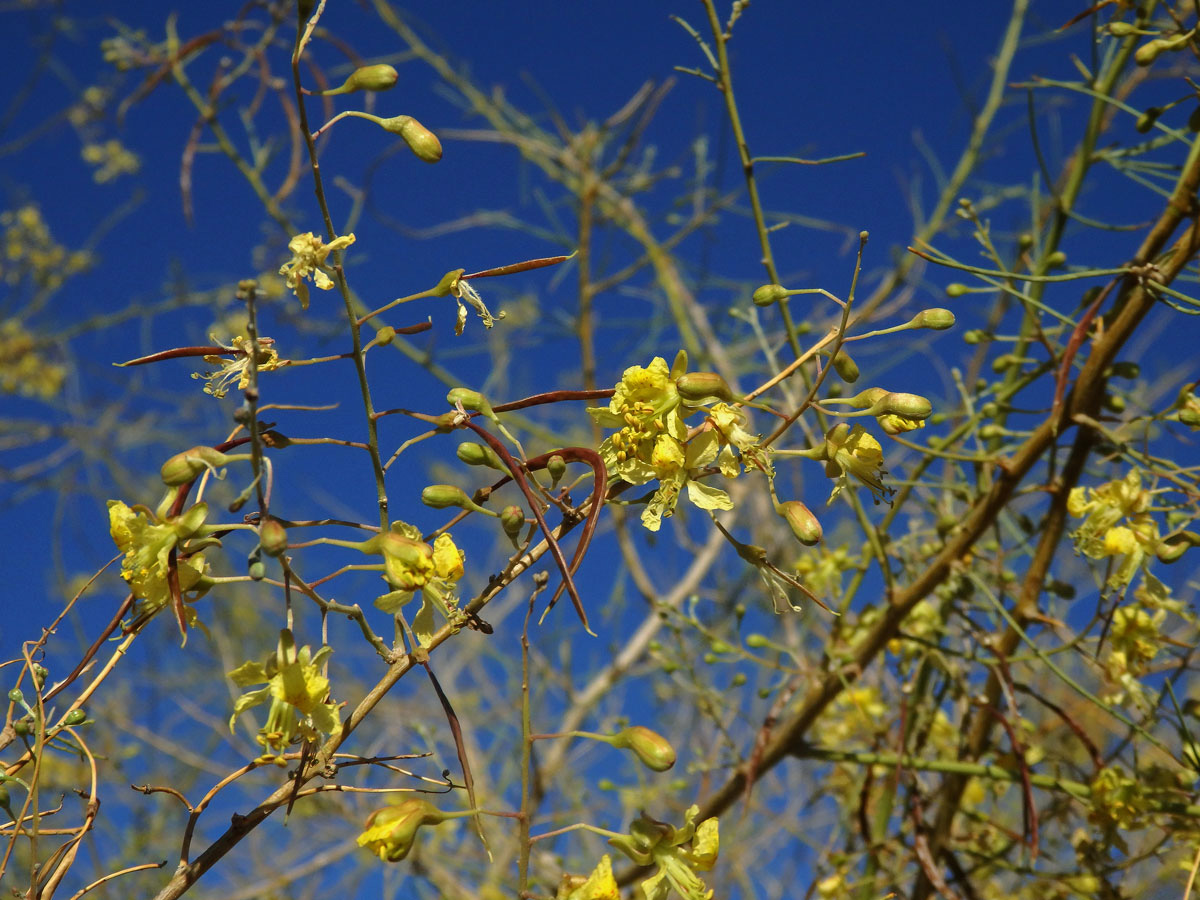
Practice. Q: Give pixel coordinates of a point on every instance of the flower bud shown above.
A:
(385, 335)
(1056, 260)
(868, 398)
(1150, 51)
(512, 520)
(441, 496)
(976, 336)
(846, 367)
(800, 519)
(190, 465)
(75, 717)
(701, 387)
(1121, 29)
(1126, 368)
(272, 537)
(937, 319)
(557, 467)
(391, 832)
(654, 750)
(956, 289)
(769, 294)
(421, 141)
(1147, 119)
(368, 78)
(470, 400)
(911, 406)
(478, 455)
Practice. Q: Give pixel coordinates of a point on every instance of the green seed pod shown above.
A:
(703, 387)
(272, 537)
(956, 289)
(804, 525)
(937, 319)
(15, 696)
(769, 294)
(442, 496)
(421, 141)
(75, 717)
(557, 467)
(190, 465)
(479, 455)
(846, 367)
(654, 750)
(380, 77)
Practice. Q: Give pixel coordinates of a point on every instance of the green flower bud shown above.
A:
(800, 519)
(1151, 50)
(769, 294)
(937, 319)
(385, 335)
(257, 570)
(1121, 29)
(441, 496)
(956, 289)
(380, 77)
(470, 400)
(703, 387)
(1147, 119)
(868, 398)
(23, 726)
(512, 520)
(479, 455)
(1114, 403)
(1126, 368)
(846, 367)
(757, 641)
(654, 750)
(75, 717)
(976, 336)
(1025, 240)
(272, 537)
(738, 680)
(15, 696)
(1056, 260)
(421, 141)
(911, 406)
(191, 464)
(557, 467)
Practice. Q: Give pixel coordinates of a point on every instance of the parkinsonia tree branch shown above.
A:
(1131, 306)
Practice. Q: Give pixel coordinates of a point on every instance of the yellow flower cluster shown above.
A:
(1116, 524)
(23, 368)
(30, 253)
(679, 853)
(652, 442)
(147, 542)
(112, 159)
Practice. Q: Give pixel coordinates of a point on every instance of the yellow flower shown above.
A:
(392, 831)
(600, 885)
(853, 451)
(147, 543)
(309, 253)
(296, 690)
(447, 558)
(237, 368)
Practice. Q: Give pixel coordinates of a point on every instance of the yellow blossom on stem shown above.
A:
(309, 254)
(600, 885)
(853, 451)
(147, 542)
(296, 690)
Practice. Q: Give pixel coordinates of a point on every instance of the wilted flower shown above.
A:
(237, 367)
(309, 253)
